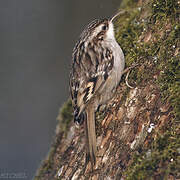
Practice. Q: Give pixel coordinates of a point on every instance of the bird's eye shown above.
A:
(104, 27)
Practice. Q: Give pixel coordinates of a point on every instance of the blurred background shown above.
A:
(36, 42)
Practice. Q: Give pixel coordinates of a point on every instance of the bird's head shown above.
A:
(100, 29)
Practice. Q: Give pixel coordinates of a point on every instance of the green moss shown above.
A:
(65, 116)
(161, 160)
(158, 56)
(153, 56)
(128, 3)
(161, 9)
(170, 71)
(127, 35)
(129, 29)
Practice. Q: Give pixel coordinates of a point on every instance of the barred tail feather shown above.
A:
(90, 135)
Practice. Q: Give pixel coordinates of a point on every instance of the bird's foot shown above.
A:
(127, 70)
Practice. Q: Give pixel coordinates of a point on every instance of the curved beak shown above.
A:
(116, 15)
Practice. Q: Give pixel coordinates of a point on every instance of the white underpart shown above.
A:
(114, 77)
(110, 32)
(119, 63)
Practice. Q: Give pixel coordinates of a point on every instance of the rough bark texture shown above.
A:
(138, 131)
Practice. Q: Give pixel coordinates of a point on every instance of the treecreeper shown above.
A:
(97, 66)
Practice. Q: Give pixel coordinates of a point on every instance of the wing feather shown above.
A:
(90, 70)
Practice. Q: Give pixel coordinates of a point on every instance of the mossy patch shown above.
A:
(159, 161)
(65, 116)
(169, 79)
(158, 54)
(151, 38)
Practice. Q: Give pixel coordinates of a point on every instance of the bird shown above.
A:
(96, 69)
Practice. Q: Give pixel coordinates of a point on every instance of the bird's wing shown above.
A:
(90, 69)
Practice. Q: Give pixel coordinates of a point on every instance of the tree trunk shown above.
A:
(138, 131)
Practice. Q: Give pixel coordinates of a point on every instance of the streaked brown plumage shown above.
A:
(97, 66)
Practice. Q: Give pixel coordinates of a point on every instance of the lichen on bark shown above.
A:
(138, 131)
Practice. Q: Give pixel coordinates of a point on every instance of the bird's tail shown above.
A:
(90, 135)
